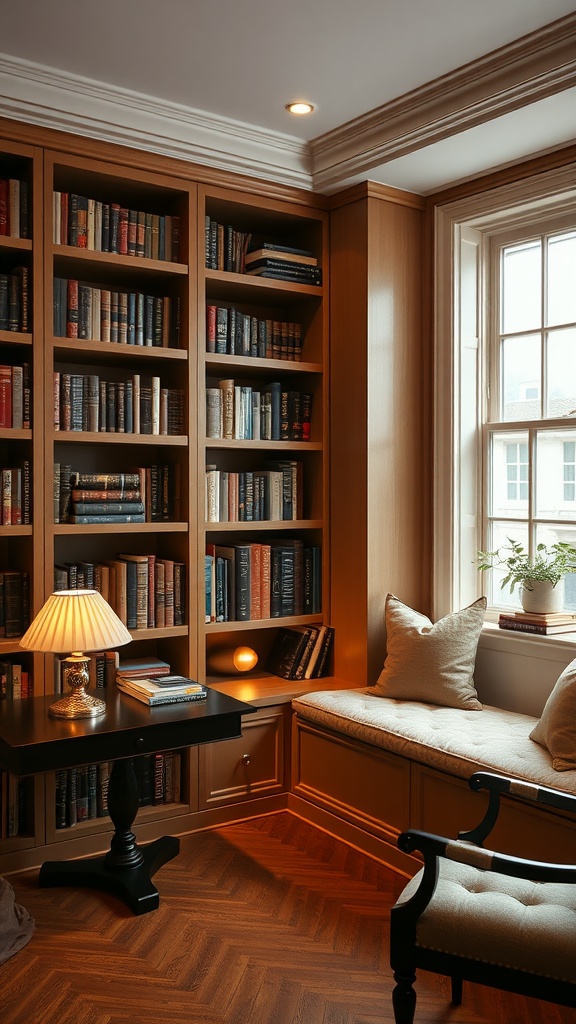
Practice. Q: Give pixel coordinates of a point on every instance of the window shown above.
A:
(529, 436)
(505, 379)
(569, 449)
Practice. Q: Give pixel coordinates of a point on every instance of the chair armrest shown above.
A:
(463, 852)
(527, 790)
(498, 784)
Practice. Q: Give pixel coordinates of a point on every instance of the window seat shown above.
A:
(384, 766)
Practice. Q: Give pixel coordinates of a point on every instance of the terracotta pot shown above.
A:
(542, 597)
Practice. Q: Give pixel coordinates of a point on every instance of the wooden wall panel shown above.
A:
(380, 501)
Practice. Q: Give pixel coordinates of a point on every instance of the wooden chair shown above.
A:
(486, 917)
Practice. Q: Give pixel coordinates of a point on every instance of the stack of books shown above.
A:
(282, 262)
(545, 625)
(106, 498)
(161, 689)
(300, 652)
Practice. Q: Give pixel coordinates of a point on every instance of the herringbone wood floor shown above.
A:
(265, 922)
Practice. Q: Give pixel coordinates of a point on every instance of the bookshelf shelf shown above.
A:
(15, 244)
(15, 338)
(269, 446)
(16, 531)
(91, 437)
(77, 529)
(264, 525)
(70, 256)
(216, 361)
(83, 351)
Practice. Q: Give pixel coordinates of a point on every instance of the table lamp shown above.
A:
(72, 622)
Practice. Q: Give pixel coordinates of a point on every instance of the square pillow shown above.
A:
(432, 663)
(556, 729)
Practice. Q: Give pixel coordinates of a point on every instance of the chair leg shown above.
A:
(456, 990)
(404, 998)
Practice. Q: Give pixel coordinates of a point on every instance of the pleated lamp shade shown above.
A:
(74, 621)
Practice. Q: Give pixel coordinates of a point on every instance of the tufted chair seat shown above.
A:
(478, 915)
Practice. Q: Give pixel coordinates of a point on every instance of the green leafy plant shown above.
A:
(549, 563)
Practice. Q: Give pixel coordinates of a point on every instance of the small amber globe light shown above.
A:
(231, 660)
(245, 659)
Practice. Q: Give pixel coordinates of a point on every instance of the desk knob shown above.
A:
(245, 758)
(139, 743)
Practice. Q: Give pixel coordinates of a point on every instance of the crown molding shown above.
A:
(529, 69)
(81, 106)
(523, 72)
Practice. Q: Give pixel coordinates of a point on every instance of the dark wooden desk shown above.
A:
(31, 742)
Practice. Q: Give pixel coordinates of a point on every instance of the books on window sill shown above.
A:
(162, 689)
(543, 625)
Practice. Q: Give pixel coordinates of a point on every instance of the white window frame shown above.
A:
(461, 229)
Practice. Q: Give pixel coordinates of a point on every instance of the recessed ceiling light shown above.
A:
(299, 108)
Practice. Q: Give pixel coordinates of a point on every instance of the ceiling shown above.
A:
(416, 94)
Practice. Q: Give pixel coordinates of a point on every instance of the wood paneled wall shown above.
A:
(380, 388)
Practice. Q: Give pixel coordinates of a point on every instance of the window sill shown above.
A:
(510, 640)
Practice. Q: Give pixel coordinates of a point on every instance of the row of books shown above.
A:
(229, 331)
(15, 681)
(272, 413)
(266, 495)
(242, 252)
(154, 489)
(15, 301)
(12, 805)
(145, 591)
(82, 793)
(87, 223)
(91, 313)
(14, 602)
(16, 495)
(300, 652)
(244, 582)
(14, 208)
(15, 396)
(136, 405)
(541, 624)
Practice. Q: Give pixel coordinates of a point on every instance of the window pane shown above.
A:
(509, 476)
(561, 298)
(520, 378)
(562, 372)
(521, 284)
(501, 534)
(554, 469)
(551, 535)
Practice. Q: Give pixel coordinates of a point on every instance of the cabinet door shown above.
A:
(249, 767)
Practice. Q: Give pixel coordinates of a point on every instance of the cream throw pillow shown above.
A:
(556, 729)
(431, 663)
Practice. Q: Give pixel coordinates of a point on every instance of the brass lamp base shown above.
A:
(78, 703)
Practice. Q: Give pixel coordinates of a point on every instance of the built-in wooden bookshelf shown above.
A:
(21, 447)
(276, 302)
(180, 288)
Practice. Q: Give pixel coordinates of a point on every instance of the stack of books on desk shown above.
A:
(168, 689)
(544, 625)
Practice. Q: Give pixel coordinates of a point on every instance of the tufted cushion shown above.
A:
(458, 742)
(530, 926)
(431, 662)
(556, 729)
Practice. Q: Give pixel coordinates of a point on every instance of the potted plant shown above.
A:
(540, 578)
